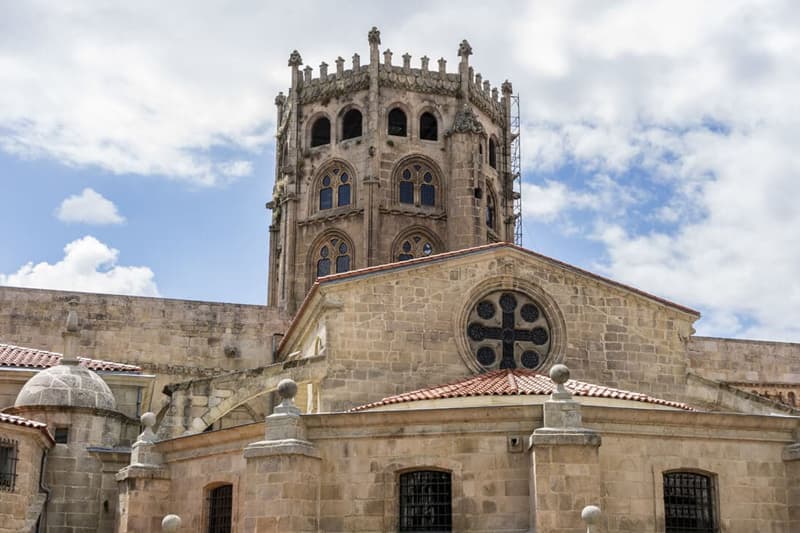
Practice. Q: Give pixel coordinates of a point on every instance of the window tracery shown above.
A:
(417, 184)
(334, 188)
(414, 246)
(333, 256)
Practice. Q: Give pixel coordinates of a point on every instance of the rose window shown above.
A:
(507, 329)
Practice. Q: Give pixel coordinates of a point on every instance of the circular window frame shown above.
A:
(547, 306)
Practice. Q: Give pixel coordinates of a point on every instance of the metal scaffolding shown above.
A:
(516, 169)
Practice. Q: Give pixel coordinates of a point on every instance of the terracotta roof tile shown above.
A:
(18, 356)
(6, 418)
(509, 382)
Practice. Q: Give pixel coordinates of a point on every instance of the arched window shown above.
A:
(425, 501)
(689, 502)
(414, 245)
(492, 153)
(397, 122)
(334, 188)
(417, 184)
(351, 124)
(491, 211)
(321, 132)
(428, 128)
(333, 256)
(219, 509)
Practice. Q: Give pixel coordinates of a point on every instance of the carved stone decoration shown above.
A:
(464, 49)
(374, 36)
(280, 100)
(506, 87)
(466, 121)
(294, 59)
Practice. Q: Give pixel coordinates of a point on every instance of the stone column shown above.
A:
(144, 485)
(283, 472)
(289, 171)
(565, 464)
(464, 51)
(371, 235)
(791, 458)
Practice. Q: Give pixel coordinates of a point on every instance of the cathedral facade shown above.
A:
(413, 369)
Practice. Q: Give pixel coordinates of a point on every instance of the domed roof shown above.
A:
(66, 386)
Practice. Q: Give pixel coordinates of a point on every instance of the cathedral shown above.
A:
(413, 369)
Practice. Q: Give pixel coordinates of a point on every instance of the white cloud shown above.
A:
(88, 265)
(236, 169)
(90, 207)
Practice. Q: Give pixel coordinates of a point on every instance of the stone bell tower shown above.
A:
(381, 162)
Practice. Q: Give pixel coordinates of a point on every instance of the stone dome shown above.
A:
(66, 386)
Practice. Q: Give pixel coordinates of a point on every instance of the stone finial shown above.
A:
(464, 50)
(287, 390)
(423, 63)
(374, 36)
(280, 100)
(148, 421)
(323, 71)
(560, 375)
(591, 515)
(406, 61)
(495, 94)
(307, 73)
(339, 66)
(71, 334)
(487, 86)
(356, 62)
(72, 316)
(294, 59)
(506, 87)
(442, 66)
(171, 523)
(387, 57)
(478, 79)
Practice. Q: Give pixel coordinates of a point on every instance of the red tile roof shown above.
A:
(18, 356)
(26, 422)
(516, 382)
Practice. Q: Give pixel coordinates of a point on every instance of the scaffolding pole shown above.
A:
(516, 169)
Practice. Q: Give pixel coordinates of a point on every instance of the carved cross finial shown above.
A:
(506, 87)
(374, 36)
(442, 65)
(423, 62)
(464, 50)
(294, 59)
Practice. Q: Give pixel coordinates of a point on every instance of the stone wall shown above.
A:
(745, 361)
(20, 507)
(175, 339)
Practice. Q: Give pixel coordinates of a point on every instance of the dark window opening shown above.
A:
(326, 198)
(415, 246)
(406, 192)
(321, 132)
(220, 505)
(492, 154)
(490, 211)
(342, 263)
(688, 503)
(323, 267)
(425, 501)
(397, 122)
(62, 435)
(8, 464)
(351, 124)
(335, 253)
(343, 194)
(428, 128)
(427, 194)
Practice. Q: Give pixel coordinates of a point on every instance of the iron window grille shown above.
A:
(220, 505)
(8, 464)
(689, 503)
(425, 501)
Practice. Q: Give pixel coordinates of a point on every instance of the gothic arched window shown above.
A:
(417, 184)
(397, 122)
(492, 153)
(413, 246)
(321, 132)
(334, 188)
(351, 124)
(333, 256)
(428, 127)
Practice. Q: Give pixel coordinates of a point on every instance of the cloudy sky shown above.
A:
(660, 139)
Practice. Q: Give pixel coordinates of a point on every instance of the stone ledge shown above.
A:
(266, 448)
(142, 471)
(564, 437)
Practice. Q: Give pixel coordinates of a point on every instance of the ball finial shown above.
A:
(559, 374)
(287, 389)
(148, 420)
(171, 523)
(591, 514)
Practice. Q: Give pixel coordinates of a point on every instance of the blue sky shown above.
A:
(659, 140)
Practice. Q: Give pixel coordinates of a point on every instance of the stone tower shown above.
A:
(380, 163)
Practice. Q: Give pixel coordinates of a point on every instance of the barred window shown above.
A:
(689, 503)
(220, 506)
(425, 501)
(8, 464)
